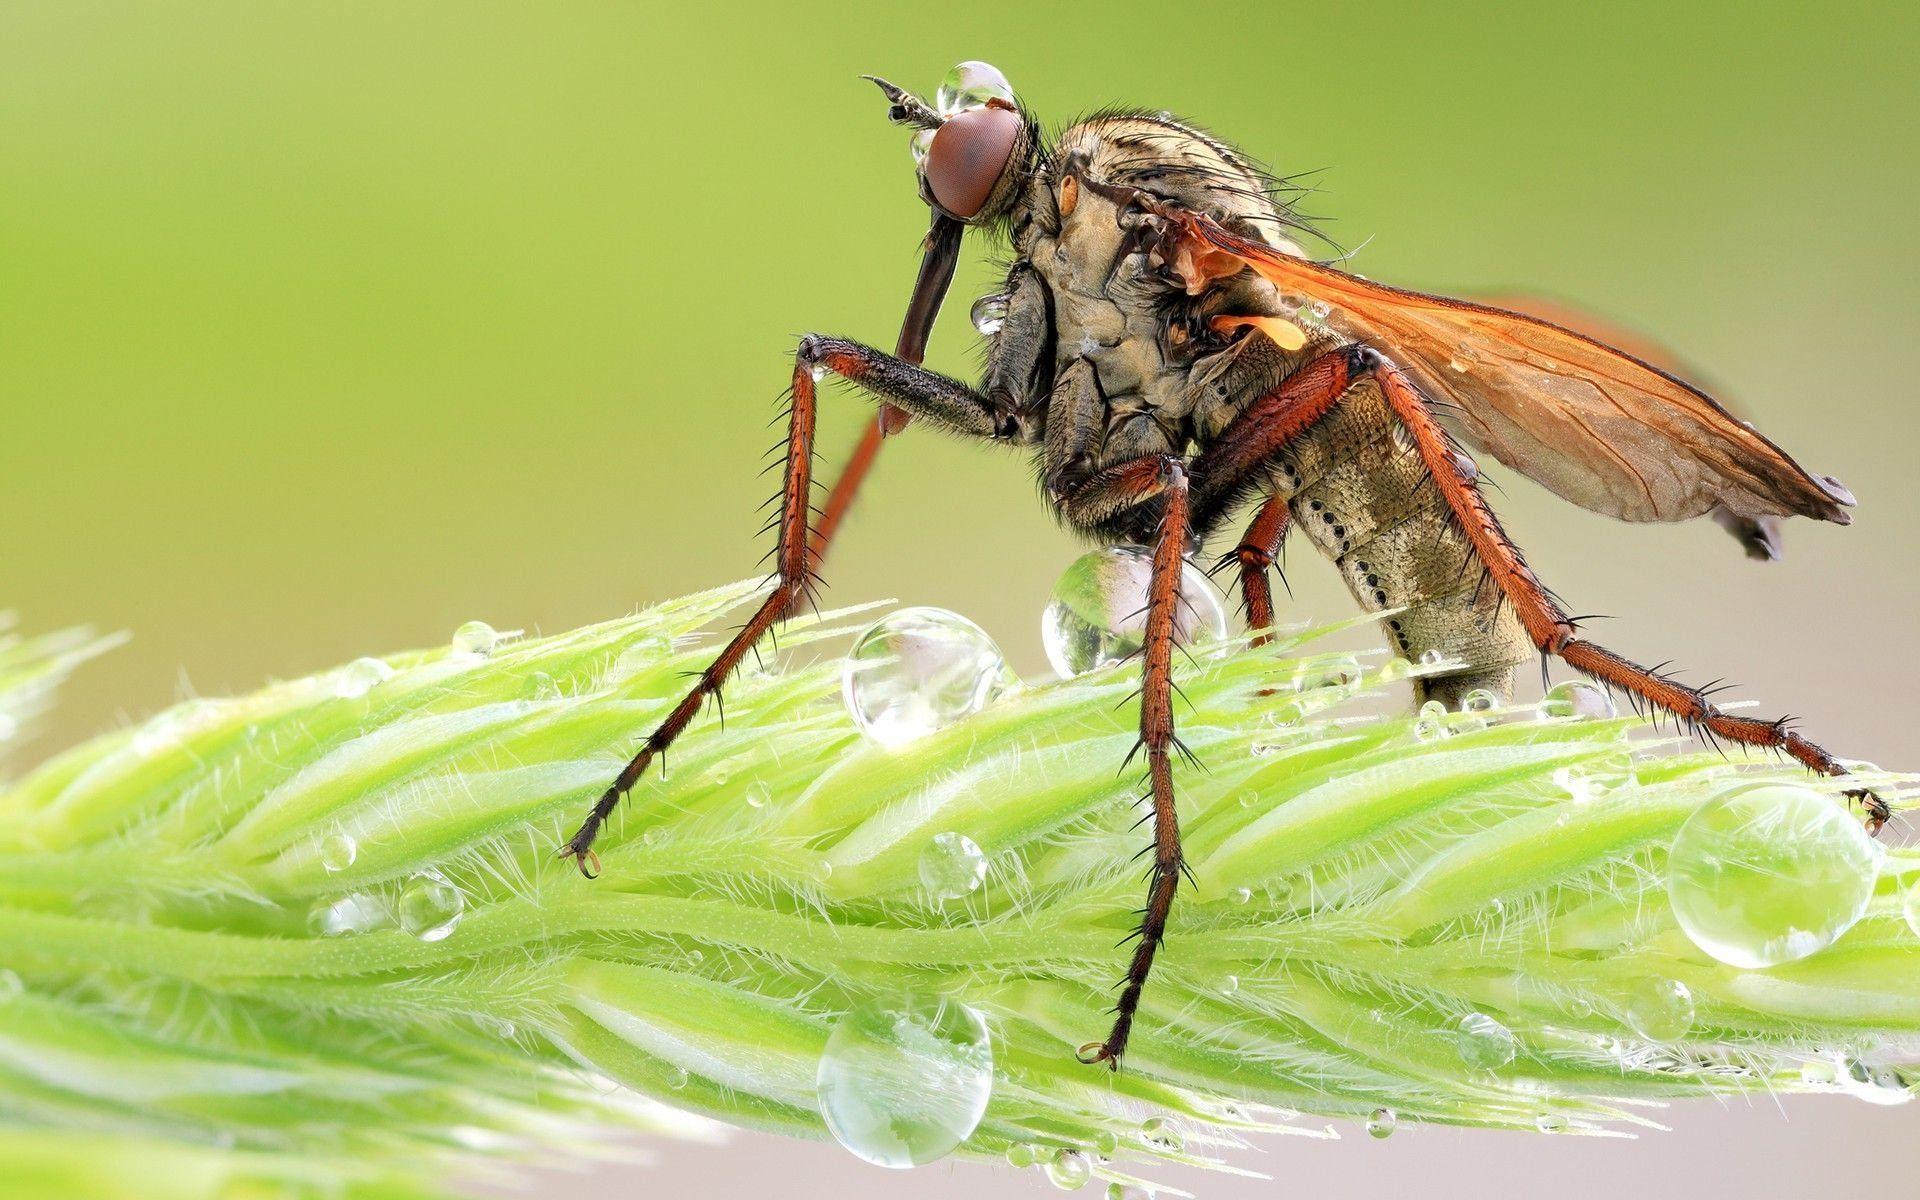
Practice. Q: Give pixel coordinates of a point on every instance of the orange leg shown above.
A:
(1553, 632)
(1255, 555)
(1158, 740)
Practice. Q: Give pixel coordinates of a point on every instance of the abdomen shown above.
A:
(1360, 492)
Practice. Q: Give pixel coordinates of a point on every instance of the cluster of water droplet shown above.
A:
(1097, 615)
(904, 1080)
(1769, 874)
(918, 670)
(429, 905)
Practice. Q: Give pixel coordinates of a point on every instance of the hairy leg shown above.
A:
(920, 392)
(1255, 555)
(1158, 741)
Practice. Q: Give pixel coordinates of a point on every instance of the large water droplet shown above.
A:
(1484, 1042)
(952, 865)
(1097, 615)
(1769, 874)
(989, 313)
(1874, 1083)
(357, 913)
(359, 677)
(970, 85)
(904, 1080)
(1577, 700)
(1070, 1170)
(918, 670)
(1382, 1123)
(338, 850)
(1479, 701)
(430, 906)
(1660, 1010)
(475, 637)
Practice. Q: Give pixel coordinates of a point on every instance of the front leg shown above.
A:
(918, 391)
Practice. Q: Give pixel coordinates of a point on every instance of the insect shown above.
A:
(1171, 357)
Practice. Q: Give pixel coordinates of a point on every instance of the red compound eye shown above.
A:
(968, 155)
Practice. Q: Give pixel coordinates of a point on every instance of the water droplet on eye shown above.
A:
(1579, 701)
(1479, 701)
(1431, 723)
(347, 915)
(1098, 612)
(540, 686)
(12, 987)
(1660, 1010)
(1163, 1134)
(1550, 1123)
(1243, 895)
(1382, 1123)
(1484, 1042)
(922, 145)
(919, 670)
(1765, 875)
(475, 637)
(903, 1080)
(1069, 1171)
(359, 677)
(758, 795)
(430, 906)
(952, 865)
(1911, 908)
(989, 313)
(970, 85)
(337, 851)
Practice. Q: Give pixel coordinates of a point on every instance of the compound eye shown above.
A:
(968, 156)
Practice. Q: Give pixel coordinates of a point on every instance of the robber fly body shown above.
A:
(1172, 358)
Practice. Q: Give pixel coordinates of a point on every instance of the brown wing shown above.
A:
(1597, 425)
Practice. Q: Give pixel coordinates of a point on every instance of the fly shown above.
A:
(1172, 358)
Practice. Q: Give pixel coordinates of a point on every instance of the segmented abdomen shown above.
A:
(1360, 492)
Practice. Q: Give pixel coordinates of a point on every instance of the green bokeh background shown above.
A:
(324, 328)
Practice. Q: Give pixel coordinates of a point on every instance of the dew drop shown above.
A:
(1382, 1123)
(1580, 784)
(677, 1078)
(1579, 701)
(1127, 1191)
(1318, 310)
(475, 637)
(1070, 1170)
(1229, 984)
(758, 795)
(1395, 669)
(430, 906)
(1459, 365)
(989, 313)
(1162, 1134)
(359, 677)
(12, 987)
(1479, 701)
(922, 145)
(1660, 1010)
(1107, 1142)
(1022, 1155)
(1769, 874)
(1550, 1123)
(1430, 725)
(338, 850)
(905, 1079)
(952, 865)
(919, 670)
(540, 686)
(1432, 658)
(1875, 1084)
(1098, 612)
(970, 85)
(1484, 1043)
(357, 913)
(1242, 895)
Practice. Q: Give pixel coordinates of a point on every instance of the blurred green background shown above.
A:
(324, 328)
